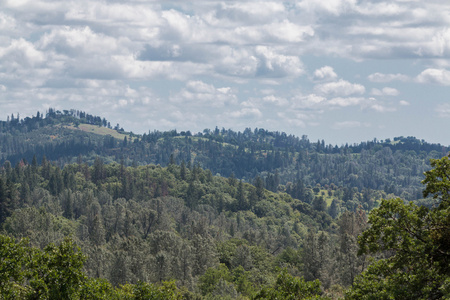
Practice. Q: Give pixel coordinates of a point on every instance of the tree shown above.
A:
(290, 287)
(29, 273)
(418, 265)
(241, 200)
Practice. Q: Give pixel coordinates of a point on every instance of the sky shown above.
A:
(344, 71)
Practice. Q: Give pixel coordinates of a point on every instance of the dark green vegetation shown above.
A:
(393, 166)
(282, 224)
(213, 235)
(415, 241)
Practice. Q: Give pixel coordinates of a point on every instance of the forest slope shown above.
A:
(282, 161)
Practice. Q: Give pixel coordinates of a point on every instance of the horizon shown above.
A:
(312, 140)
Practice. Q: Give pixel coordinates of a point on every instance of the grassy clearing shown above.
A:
(197, 138)
(328, 199)
(99, 130)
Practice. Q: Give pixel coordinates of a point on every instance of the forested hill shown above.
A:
(286, 219)
(283, 161)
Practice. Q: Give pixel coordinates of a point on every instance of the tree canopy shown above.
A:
(415, 243)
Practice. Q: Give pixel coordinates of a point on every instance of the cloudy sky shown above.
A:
(338, 70)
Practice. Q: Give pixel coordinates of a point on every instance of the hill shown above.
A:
(283, 161)
(213, 215)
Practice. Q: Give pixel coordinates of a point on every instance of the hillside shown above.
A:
(151, 224)
(153, 216)
(283, 161)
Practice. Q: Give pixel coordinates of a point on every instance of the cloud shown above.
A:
(246, 113)
(79, 42)
(198, 93)
(381, 108)
(404, 103)
(340, 88)
(386, 91)
(333, 7)
(308, 101)
(434, 76)
(278, 101)
(259, 62)
(254, 12)
(273, 64)
(21, 53)
(325, 73)
(380, 77)
(346, 101)
(443, 110)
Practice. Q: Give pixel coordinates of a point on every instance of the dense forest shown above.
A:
(88, 211)
(282, 161)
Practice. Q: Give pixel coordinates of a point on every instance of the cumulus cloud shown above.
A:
(346, 101)
(21, 53)
(380, 77)
(308, 101)
(404, 103)
(220, 60)
(198, 93)
(386, 91)
(434, 76)
(272, 99)
(76, 42)
(272, 64)
(246, 113)
(325, 73)
(340, 88)
(381, 108)
(254, 12)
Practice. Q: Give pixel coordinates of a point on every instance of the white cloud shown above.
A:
(75, 42)
(346, 101)
(340, 88)
(386, 91)
(198, 93)
(21, 53)
(246, 113)
(334, 7)
(434, 76)
(380, 77)
(273, 64)
(309, 101)
(381, 108)
(325, 73)
(286, 31)
(272, 99)
(404, 103)
(255, 12)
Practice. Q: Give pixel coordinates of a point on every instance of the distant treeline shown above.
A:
(394, 166)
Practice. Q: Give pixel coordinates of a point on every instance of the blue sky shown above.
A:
(338, 70)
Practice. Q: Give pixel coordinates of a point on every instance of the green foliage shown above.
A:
(416, 238)
(290, 287)
(98, 289)
(166, 291)
(13, 258)
(152, 224)
(211, 278)
(54, 273)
